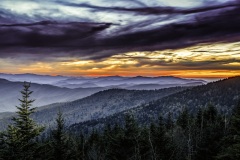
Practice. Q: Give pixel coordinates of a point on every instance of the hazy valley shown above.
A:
(97, 106)
(55, 89)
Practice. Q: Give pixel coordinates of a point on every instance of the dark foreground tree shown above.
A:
(59, 140)
(231, 142)
(19, 140)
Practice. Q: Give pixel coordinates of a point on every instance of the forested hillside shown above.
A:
(223, 94)
(205, 135)
(100, 105)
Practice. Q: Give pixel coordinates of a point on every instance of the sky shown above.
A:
(184, 38)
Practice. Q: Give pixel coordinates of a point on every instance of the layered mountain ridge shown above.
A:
(53, 89)
(223, 94)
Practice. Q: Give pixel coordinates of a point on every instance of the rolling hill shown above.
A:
(43, 93)
(98, 105)
(101, 104)
(223, 94)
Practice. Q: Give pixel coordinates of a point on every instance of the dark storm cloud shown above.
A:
(150, 10)
(98, 40)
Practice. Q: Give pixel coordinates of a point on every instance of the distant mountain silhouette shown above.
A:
(43, 93)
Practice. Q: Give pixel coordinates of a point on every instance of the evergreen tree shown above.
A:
(94, 146)
(131, 143)
(160, 140)
(105, 141)
(199, 119)
(116, 144)
(183, 119)
(231, 143)
(20, 137)
(59, 139)
(210, 133)
(169, 122)
(80, 148)
(210, 114)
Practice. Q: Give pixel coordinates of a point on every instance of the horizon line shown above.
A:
(96, 76)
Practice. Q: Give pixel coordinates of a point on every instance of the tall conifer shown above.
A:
(20, 135)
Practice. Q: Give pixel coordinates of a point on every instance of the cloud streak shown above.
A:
(62, 31)
(93, 40)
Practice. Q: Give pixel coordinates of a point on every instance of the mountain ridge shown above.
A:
(209, 94)
(105, 81)
(43, 93)
(100, 104)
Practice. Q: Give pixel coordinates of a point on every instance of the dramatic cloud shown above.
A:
(166, 34)
(215, 60)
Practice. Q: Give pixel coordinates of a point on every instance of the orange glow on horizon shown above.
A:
(201, 61)
(181, 74)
